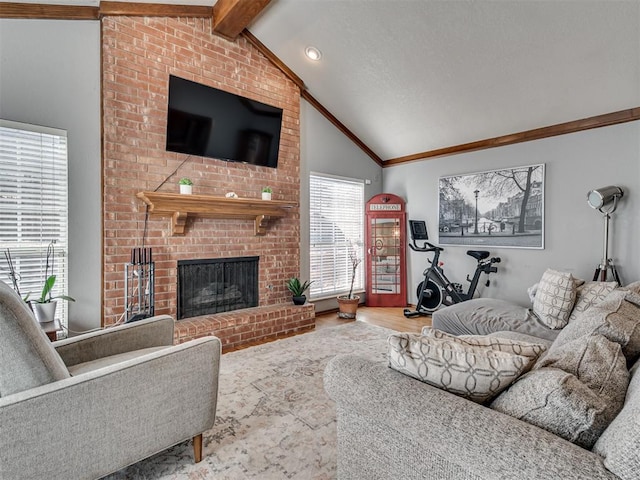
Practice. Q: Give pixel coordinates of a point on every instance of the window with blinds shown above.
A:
(336, 227)
(33, 209)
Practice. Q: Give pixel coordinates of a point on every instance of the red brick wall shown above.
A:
(139, 54)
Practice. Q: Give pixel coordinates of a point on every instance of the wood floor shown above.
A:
(389, 317)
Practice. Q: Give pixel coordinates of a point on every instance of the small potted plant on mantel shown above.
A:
(348, 304)
(297, 290)
(186, 186)
(266, 193)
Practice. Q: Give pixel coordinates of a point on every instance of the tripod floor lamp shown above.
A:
(605, 200)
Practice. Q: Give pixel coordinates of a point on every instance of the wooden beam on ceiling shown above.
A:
(340, 126)
(598, 121)
(51, 12)
(153, 10)
(273, 58)
(231, 17)
(304, 93)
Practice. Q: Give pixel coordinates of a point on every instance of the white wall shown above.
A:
(575, 164)
(324, 149)
(50, 75)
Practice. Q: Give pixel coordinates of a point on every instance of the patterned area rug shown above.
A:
(274, 419)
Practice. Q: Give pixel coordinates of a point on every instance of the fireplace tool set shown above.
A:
(139, 285)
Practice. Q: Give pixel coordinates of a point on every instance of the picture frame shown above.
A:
(495, 208)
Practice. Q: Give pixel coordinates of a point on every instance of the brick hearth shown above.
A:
(139, 54)
(248, 325)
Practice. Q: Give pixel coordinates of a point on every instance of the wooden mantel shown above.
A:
(180, 207)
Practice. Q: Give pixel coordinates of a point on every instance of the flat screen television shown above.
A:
(209, 122)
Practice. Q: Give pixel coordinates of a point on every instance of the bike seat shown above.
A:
(478, 254)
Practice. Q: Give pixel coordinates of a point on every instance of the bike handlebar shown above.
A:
(432, 247)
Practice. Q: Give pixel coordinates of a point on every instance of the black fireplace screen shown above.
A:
(216, 285)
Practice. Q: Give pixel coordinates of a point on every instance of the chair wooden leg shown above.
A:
(197, 448)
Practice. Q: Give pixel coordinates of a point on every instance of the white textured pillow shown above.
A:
(555, 298)
(554, 400)
(617, 317)
(507, 345)
(574, 391)
(476, 373)
(591, 293)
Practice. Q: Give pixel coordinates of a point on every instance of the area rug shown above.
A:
(274, 419)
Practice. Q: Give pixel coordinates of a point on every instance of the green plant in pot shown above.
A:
(44, 307)
(266, 193)
(186, 186)
(297, 290)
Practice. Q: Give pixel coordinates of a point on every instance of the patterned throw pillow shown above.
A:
(574, 392)
(589, 294)
(476, 373)
(555, 298)
(516, 347)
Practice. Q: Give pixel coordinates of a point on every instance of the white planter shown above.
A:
(186, 189)
(266, 195)
(44, 312)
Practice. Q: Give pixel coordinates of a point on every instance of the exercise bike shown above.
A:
(436, 289)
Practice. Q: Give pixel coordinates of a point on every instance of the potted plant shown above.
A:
(44, 308)
(266, 193)
(348, 304)
(297, 290)
(186, 186)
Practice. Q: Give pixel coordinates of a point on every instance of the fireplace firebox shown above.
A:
(208, 286)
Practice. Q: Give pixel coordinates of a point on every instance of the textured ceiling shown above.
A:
(411, 76)
(408, 76)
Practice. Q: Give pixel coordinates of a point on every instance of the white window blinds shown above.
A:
(336, 226)
(33, 207)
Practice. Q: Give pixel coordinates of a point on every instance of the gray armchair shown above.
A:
(90, 405)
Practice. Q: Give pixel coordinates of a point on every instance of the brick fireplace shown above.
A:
(139, 54)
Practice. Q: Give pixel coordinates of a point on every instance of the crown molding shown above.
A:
(598, 121)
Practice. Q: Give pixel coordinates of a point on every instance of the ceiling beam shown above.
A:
(51, 12)
(273, 58)
(231, 17)
(605, 120)
(304, 93)
(153, 10)
(340, 126)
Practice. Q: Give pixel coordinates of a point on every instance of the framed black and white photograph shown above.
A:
(498, 208)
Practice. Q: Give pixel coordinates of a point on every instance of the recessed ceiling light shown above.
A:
(313, 53)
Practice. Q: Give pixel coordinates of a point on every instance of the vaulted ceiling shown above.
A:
(415, 76)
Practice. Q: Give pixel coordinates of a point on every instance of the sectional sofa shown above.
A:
(571, 411)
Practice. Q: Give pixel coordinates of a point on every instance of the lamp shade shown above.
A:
(602, 196)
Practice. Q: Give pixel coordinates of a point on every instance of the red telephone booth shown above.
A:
(385, 251)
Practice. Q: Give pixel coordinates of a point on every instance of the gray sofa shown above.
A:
(391, 425)
(482, 316)
(93, 404)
